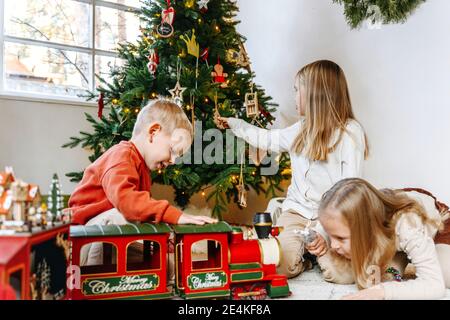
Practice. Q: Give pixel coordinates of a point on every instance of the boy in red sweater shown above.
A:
(115, 188)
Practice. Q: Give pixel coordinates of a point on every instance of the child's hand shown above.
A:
(373, 293)
(199, 220)
(318, 247)
(223, 121)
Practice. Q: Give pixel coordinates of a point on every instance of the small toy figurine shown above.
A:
(43, 215)
(219, 76)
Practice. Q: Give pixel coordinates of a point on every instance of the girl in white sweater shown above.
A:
(376, 233)
(325, 145)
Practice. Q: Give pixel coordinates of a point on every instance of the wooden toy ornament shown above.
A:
(251, 103)
(177, 91)
(243, 59)
(218, 75)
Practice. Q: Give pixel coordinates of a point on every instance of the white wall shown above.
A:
(31, 136)
(399, 79)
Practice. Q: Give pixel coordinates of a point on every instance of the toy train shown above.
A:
(158, 261)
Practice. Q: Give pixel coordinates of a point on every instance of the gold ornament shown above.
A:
(192, 44)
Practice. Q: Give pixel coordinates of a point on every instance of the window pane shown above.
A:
(143, 255)
(62, 21)
(131, 3)
(104, 65)
(98, 257)
(44, 70)
(113, 27)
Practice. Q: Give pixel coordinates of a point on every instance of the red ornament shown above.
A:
(153, 61)
(218, 75)
(101, 105)
(205, 54)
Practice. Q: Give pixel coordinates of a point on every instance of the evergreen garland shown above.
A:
(392, 11)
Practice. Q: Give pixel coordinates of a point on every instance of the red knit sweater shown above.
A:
(119, 179)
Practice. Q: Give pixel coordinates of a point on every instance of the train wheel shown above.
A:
(236, 290)
(261, 287)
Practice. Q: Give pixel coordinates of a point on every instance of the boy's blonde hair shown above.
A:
(371, 215)
(169, 115)
(328, 108)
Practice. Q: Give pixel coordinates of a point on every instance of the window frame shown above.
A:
(90, 49)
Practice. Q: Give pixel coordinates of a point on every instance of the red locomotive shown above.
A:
(210, 261)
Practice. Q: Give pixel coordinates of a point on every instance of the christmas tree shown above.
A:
(191, 51)
(55, 198)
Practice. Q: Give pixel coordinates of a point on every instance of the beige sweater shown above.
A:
(416, 240)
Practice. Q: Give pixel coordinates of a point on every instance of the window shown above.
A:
(15, 281)
(143, 255)
(98, 257)
(54, 48)
(206, 254)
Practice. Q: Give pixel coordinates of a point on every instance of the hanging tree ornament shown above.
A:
(203, 5)
(205, 56)
(165, 29)
(218, 75)
(153, 61)
(217, 115)
(192, 44)
(238, 57)
(192, 100)
(251, 103)
(177, 91)
(252, 110)
(242, 193)
(101, 105)
(243, 59)
(193, 49)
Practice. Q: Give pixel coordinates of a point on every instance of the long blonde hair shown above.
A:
(371, 215)
(328, 107)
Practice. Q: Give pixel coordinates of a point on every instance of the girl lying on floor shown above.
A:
(375, 233)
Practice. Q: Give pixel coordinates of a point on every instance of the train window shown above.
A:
(15, 280)
(98, 257)
(143, 255)
(206, 254)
